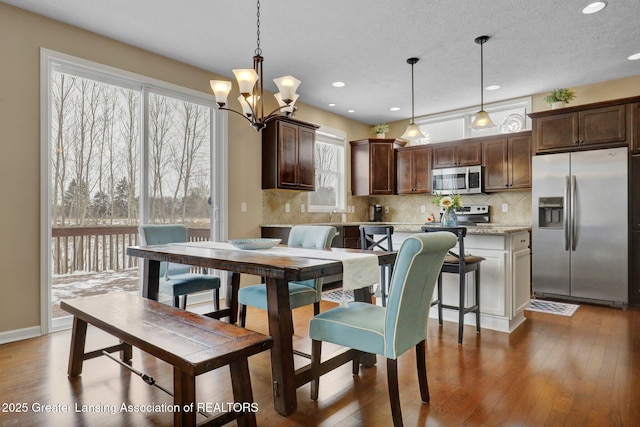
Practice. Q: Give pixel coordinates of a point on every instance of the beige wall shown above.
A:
(23, 34)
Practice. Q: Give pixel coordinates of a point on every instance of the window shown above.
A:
(509, 116)
(330, 191)
(119, 149)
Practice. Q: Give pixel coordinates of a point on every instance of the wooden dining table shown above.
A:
(277, 270)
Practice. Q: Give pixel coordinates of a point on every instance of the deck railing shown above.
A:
(100, 248)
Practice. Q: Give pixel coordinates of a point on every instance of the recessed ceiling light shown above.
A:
(351, 111)
(634, 57)
(594, 7)
(394, 109)
(332, 105)
(338, 84)
(493, 87)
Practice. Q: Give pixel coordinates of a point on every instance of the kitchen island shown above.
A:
(505, 272)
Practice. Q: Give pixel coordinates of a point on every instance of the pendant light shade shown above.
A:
(482, 119)
(413, 132)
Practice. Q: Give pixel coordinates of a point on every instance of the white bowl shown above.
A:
(254, 243)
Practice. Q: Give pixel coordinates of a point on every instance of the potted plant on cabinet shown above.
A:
(380, 130)
(559, 98)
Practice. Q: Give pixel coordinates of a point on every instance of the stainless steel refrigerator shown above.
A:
(580, 231)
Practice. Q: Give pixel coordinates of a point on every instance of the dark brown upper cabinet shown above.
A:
(580, 128)
(288, 155)
(373, 166)
(634, 114)
(507, 163)
(413, 170)
(459, 153)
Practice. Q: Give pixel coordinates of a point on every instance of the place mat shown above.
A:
(552, 307)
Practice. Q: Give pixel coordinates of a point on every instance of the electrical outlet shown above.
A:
(423, 209)
(287, 207)
(243, 207)
(505, 207)
(386, 209)
(302, 208)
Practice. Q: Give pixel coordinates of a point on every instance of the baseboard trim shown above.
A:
(20, 334)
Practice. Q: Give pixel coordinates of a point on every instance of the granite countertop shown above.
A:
(409, 227)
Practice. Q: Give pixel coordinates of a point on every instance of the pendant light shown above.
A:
(482, 119)
(413, 132)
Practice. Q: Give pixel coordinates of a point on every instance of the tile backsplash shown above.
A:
(401, 208)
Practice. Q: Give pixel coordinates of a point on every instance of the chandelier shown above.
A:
(251, 89)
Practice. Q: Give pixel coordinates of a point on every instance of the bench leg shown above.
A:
(126, 354)
(184, 393)
(241, 384)
(76, 353)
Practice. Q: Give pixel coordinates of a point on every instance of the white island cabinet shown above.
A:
(505, 280)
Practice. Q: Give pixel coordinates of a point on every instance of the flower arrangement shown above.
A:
(560, 95)
(380, 128)
(448, 202)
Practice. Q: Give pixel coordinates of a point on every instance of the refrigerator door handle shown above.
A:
(574, 208)
(565, 213)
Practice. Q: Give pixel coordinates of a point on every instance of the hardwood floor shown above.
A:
(553, 370)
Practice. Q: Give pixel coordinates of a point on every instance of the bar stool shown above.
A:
(460, 265)
(369, 242)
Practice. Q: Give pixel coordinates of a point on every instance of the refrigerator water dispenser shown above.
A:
(550, 212)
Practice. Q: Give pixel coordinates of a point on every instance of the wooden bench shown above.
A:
(191, 343)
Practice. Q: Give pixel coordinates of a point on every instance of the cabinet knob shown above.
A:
(576, 142)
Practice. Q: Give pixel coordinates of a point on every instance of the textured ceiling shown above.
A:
(534, 46)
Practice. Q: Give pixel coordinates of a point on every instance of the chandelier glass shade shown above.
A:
(251, 88)
(482, 119)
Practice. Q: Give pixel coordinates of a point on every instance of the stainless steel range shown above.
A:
(471, 215)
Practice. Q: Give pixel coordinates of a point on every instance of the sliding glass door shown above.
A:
(121, 151)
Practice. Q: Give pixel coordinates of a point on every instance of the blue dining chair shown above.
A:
(176, 279)
(389, 331)
(300, 293)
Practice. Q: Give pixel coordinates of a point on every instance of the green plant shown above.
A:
(380, 128)
(560, 95)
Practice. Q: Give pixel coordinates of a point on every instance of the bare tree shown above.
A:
(60, 94)
(187, 158)
(159, 137)
(130, 119)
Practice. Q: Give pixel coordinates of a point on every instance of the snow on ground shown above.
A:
(81, 283)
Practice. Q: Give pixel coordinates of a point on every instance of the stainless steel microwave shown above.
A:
(460, 180)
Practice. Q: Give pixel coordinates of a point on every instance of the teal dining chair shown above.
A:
(176, 279)
(389, 331)
(300, 293)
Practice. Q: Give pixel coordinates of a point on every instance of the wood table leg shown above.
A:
(184, 394)
(242, 393)
(280, 329)
(150, 279)
(233, 284)
(364, 295)
(76, 353)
